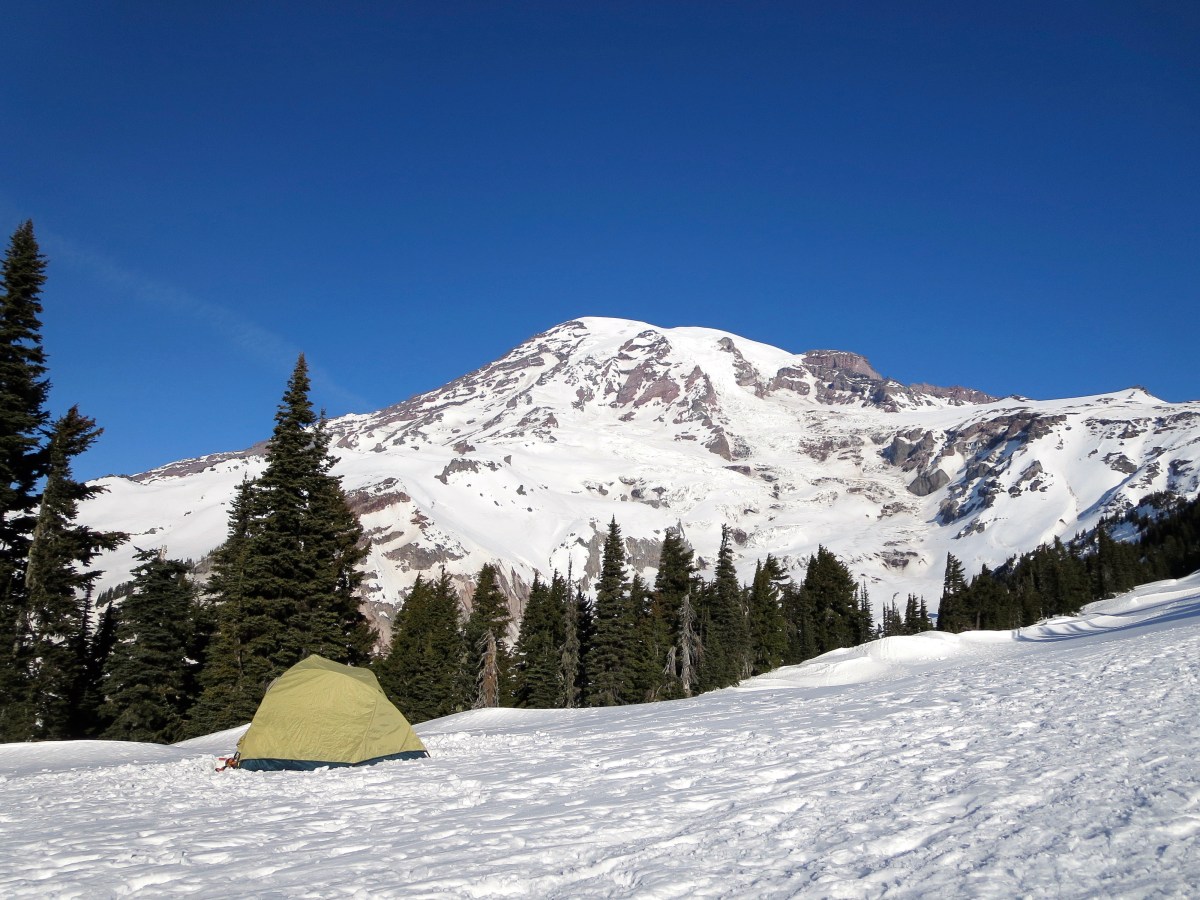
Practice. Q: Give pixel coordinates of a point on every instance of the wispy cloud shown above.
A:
(259, 345)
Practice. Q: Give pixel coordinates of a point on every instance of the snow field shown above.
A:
(1058, 761)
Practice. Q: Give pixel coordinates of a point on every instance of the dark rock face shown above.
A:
(924, 485)
(835, 363)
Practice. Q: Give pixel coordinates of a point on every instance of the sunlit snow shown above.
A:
(1057, 761)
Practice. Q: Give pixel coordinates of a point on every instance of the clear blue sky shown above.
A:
(1002, 195)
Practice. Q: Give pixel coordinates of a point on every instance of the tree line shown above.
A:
(635, 642)
(1059, 578)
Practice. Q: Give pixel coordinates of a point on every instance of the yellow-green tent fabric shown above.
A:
(321, 713)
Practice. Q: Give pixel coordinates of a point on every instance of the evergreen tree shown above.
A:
(864, 623)
(800, 628)
(149, 679)
(891, 622)
(570, 668)
(611, 680)
(236, 663)
(58, 585)
(725, 633)
(768, 635)
(489, 690)
(953, 614)
(24, 389)
(288, 582)
(644, 658)
(688, 651)
(420, 671)
(484, 675)
(1114, 565)
(916, 616)
(578, 630)
(667, 644)
(537, 682)
(834, 603)
(993, 606)
(306, 544)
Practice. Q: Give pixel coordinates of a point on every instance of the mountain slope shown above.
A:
(524, 462)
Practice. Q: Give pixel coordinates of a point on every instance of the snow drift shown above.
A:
(1054, 761)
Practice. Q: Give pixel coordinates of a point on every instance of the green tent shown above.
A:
(321, 713)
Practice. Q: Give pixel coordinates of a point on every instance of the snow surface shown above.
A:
(1055, 761)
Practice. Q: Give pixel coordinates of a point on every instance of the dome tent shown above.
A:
(321, 713)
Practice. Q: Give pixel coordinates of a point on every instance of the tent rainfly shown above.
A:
(321, 713)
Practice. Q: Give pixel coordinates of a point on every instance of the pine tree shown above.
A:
(891, 622)
(149, 679)
(726, 632)
(666, 643)
(916, 616)
(58, 585)
(611, 681)
(689, 648)
(864, 623)
(833, 604)
(289, 573)
(577, 644)
(24, 389)
(420, 671)
(538, 675)
(768, 637)
(236, 662)
(306, 544)
(800, 627)
(644, 659)
(484, 676)
(953, 614)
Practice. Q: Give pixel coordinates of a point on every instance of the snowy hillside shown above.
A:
(1058, 761)
(525, 461)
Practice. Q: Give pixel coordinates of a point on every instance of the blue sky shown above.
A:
(1004, 195)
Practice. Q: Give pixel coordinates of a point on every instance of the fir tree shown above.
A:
(891, 622)
(864, 623)
(667, 645)
(149, 679)
(58, 585)
(236, 663)
(420, 671)
(289, 576)
(833, 603)
(800, 627)
(577, 644)
(485, 671)
(538, 678)
(24, 389)
(611, 680)
(726, 633)
(688, 651)
(953, 614)
(916, 616)
(644, 657)
(768, 637)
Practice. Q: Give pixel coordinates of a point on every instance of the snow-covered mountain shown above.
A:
(525, 461)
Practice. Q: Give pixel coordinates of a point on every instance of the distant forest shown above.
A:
(164, 657)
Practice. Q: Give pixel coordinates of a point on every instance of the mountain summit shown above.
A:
(524, 461)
